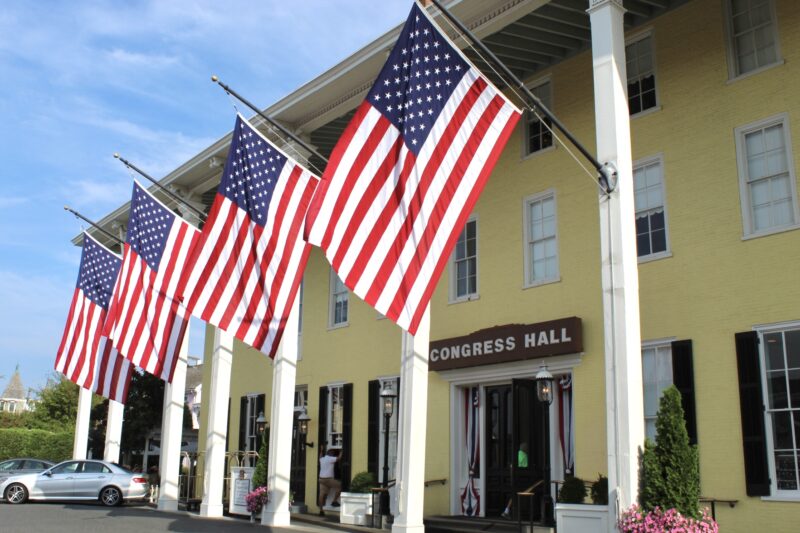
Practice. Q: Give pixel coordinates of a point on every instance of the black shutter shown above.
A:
(347, 434)
(751, 402)
(228, 427)
(683, 379)
(322, 435)
(373, 427)
(242, 423)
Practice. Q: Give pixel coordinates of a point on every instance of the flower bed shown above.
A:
(635, 520)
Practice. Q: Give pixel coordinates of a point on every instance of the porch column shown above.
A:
(81, 442)
(113, 431)
(172, 431)
(276, 512)
(413, 421)
(217, 426)
(623, 358)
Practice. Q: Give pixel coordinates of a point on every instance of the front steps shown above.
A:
(453, 524)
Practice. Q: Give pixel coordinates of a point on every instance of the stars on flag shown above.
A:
(149, 226)
(98, 272)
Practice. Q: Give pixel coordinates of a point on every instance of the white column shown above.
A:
(81, 442)
(217, 426)
(413, 421)
(276, 512)
(624, 411)
(172, 432)
(113, 431)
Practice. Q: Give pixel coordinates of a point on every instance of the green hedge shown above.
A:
(38, 443)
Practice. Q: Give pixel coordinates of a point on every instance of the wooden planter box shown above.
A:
(581, 518)
(355, 508)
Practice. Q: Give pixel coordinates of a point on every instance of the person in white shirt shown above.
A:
(327, 479)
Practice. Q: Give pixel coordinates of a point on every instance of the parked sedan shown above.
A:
(77, 480)
(14, 467)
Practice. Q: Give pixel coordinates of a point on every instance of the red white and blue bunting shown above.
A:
(566, 423)
(470, 496)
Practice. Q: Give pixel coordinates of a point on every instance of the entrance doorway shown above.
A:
(516, 446)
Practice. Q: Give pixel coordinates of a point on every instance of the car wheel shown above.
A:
(110, 496)
(16, 493)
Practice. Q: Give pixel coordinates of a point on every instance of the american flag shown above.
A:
(147, 322)
(408, 170)
(82, 356)
(249, 263)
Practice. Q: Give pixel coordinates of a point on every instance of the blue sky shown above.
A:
(82, 80)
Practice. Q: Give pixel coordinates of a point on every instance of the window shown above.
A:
(300, 399)
(641, 75)
(339, 301)
(393, 383)
(537, 132)
(335, 415)
(781, 357)
(766, 177)
(651, 228)
(95, 468)
(656, 376)
(67, 468)
(252, 406)
(464, 264)
(541, 242)
(752, 33)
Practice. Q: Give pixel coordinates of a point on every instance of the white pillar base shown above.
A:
(217, 427)
(81, 442)
(167, 505)
(276, 512)
(172, 432)
(113, 431)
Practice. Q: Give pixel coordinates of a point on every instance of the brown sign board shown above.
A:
(512, 342)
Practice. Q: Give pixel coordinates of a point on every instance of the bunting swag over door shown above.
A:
(470, 496)
(566, 424)
(248, 266)
(407, 171)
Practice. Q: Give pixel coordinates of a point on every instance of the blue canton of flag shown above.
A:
(98, 273)
(417, 80)
(251, 174)
(148, 227)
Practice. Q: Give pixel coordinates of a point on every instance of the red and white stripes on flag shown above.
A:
(147, 322)
(83, 355)
(248, 265)
(407, 171)
(112, 375)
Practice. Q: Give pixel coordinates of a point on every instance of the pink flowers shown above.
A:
(256, 499)
(635, 520)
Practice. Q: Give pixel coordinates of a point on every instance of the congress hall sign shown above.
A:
(512, 342)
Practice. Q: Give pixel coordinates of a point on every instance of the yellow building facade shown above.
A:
(716, 152)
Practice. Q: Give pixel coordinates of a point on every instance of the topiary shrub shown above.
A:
(260, 473)
(600, 490)
(572, 491)
(363, 482)
(670, 470)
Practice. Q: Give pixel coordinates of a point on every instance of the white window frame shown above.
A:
(528, 267)
(332, 302)
(744, 192)
(656, 344)
(778, 495)
(301, 391)
(634, 39)
(453, 292)
(658, 158)
(733, 64)
(526, 118)
(329, 418)
(393, 425)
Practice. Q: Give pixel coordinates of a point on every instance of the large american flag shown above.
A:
(249, 263)
(146, 321)
(82, 355)
(408, 170)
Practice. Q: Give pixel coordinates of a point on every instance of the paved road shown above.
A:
(77, 518)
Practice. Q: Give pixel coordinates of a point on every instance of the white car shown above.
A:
(77, 480)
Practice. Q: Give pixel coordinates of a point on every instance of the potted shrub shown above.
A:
(256, 500)
(575, 516)
(357, 502)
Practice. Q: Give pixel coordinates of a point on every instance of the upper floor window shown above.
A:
(641, 75)
(753, 36)
(651, 228)
(464, 264)
(766, 176)
(541, 240)
(338, 301)
(537, 128)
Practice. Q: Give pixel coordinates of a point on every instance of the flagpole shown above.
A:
(66, 208)
(606, 172)
(275, 123)
(169, 193)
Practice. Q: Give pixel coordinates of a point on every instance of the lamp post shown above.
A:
(544, 392)
(261, 424)
(387, 395)
(302, 422)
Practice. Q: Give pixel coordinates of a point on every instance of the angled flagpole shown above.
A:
(94, 225)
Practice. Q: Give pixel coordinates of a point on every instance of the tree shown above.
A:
(143, 410)
(260, 473)
(670, 470)
(57, 406)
